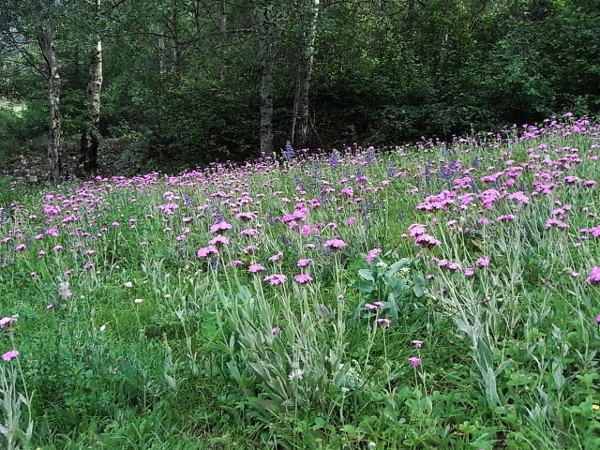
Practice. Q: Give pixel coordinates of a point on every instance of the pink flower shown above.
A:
(306, 230)
(256, 268)
(207, 251)
(276, 257)
(351, 220)
(519, 197)
(10, 355)
(469, 272)
(595, 231)
(598, 319)
(416, 229)
(7, 321)
(220, 227)
(383, 322)
(414, 361)
(245, 216)
(250, 232)
(334, 244)
(506, 218)
(417, 343)
(303, 278)
(594, 275)
(426, 241)
(219, 241)
(372, 254)
(303, 262)
(275, 330)
(275, 279)
(484, 261)
(63, 291)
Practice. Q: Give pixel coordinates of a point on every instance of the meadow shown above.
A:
(429, 296)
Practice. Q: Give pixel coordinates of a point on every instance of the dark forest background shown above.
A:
(186, 82)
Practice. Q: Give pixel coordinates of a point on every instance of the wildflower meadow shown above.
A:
(425, 296)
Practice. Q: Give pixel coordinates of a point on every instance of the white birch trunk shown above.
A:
(300, 118)
(223, 33)
(88, 159)
(46, 38)
(266, 26)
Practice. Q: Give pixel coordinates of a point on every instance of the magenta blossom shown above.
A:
(484, 261)
(303, 262)
(256, 268)
(334, 244)
(275, 279)
(594, 276)
(219, 241)
(383, 322)
(417, 343)
(414, 361)
(220, 227)
(426, 241)
(7, 321)
(250, 232)
(372, 254)
(10, 355)
(303, 278)
(207, 251)
(276, 257)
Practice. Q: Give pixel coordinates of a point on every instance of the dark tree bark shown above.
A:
(90, 136)
(45, 37)
(300, 121)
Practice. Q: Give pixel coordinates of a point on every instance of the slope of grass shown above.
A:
(425, 297)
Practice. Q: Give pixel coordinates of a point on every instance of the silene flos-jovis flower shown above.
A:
(10, 355)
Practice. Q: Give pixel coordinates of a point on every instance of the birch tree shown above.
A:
(46, 37)
(266, 35)
(88, 159)
(25, 26)
(300, 119)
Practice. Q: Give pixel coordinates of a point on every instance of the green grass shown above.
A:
(127, 339)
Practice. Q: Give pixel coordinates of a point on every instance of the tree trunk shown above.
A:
(224, 39)
(266, 79)
(45, 38)
(300, 120)
(88, 158)
(266, 106)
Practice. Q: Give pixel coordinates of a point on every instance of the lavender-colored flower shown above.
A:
(594, 276)
(417, 343)
(383, 322)
(414, 361)
(207, 251)
(10, 355)
(7, 321)
(372, 254)
(303, 278)
(334, 244)
(483, 261)
(256, 268)
(275, 279)
(426, 241)
(219, 241)
(220, 227)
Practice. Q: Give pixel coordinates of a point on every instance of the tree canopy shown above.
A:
(192, 81)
